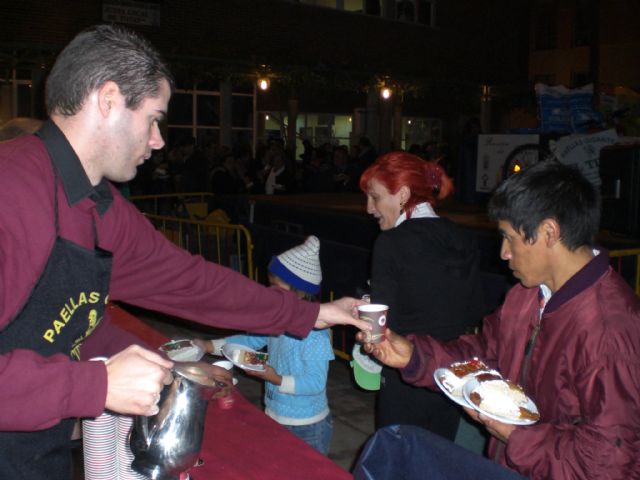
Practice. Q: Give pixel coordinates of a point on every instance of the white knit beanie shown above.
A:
(300, 266)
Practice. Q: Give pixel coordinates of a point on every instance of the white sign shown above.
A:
(131, 12)
(583, 151)
(492, 152)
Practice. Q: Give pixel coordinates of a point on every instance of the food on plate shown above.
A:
(456, 375)
(182, 351)
(503, 398)
(245, 357)
(462, 369)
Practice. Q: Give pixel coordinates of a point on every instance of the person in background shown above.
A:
(296, 374)
(71, 244)
(426, 269)
(568, 334)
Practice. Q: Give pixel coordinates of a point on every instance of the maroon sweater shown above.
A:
(584, 374)
(148, 271)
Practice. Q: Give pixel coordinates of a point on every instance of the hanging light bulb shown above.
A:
(386, 93)
(263, 83)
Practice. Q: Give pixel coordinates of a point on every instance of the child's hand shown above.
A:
(268, 375)
(205, 345)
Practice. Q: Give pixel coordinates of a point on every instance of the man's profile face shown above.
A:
(134, 134)
(527, 258)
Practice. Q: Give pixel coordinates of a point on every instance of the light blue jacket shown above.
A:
(303, 364)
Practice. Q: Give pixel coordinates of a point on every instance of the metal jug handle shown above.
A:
(142, 426)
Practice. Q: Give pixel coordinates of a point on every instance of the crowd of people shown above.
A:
(223, 170)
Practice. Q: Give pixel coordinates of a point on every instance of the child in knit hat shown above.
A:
(296, 373)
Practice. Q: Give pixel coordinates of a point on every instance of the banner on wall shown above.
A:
(492, 152)
(583, 151)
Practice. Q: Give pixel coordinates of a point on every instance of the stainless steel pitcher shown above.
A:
(168, 443)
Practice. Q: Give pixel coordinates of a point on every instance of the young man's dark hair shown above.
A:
(549, 190)
(100, 54)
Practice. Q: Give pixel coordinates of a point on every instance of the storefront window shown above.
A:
(242, 110)
(208, 110)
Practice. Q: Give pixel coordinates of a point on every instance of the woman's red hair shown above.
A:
(427, 180)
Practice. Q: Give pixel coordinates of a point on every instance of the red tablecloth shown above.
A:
(243, 443)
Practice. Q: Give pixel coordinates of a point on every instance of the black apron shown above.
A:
(64, 308)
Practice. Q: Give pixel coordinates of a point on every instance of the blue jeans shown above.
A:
(413, 453)
(318, 435)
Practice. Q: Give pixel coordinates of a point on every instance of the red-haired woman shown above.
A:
(426, 268)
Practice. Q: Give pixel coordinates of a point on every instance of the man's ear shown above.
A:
(549, 231)
(108, 97)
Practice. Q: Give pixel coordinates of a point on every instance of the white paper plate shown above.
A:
(182, 350)
(472, 384)
(229, 348)
(459, 399)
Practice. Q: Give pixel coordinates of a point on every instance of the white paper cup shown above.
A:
(99, 446)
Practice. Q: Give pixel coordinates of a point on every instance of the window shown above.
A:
(418, 131)
(16, 88)
(318, 128)
(196, 111)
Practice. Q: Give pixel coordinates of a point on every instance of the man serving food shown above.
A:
(70, 243)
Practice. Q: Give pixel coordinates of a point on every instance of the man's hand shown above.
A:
(394, 351)
(341, 312)
(135, 378)
(502, 431)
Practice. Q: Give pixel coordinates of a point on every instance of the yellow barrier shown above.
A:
(223, 243)
(620, 255)
(188, 224)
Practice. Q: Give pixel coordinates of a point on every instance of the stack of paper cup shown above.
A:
(99, 444)
(123, 449)
(107, 454)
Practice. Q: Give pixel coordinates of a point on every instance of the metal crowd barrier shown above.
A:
(184, 219)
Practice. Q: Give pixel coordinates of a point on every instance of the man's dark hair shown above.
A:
(97, 55)
(549, 190)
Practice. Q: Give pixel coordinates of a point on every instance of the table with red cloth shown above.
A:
(242, 442)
